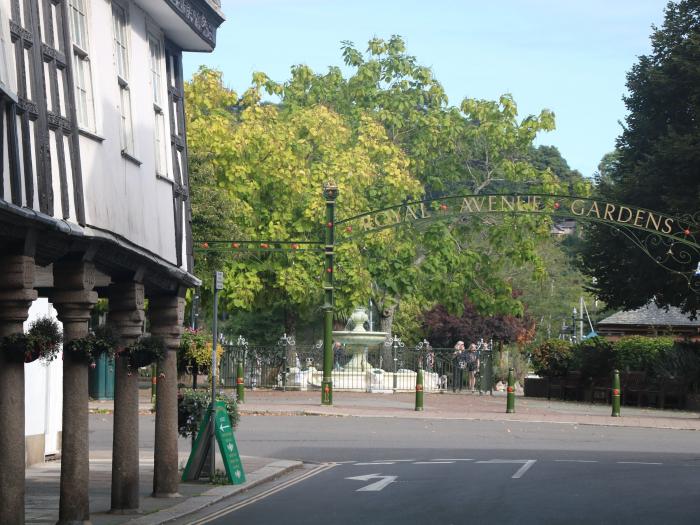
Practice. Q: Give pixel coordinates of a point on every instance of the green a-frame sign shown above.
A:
(227, 446)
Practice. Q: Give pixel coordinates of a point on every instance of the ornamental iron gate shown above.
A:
(268, 367)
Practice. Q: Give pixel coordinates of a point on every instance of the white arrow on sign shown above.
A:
(377, 485)
(222, 427)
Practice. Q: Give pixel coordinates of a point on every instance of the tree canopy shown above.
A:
(656, 165)
(385, 134)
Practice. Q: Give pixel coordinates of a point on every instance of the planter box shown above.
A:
(536, 386)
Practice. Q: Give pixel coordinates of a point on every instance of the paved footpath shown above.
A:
(464, 406)
(43, 480)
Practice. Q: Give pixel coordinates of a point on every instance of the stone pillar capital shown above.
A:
(126, 315)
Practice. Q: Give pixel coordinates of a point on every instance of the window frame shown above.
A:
(82, 65)
(122, 63)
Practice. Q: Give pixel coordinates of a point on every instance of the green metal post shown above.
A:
(510, 398)
(330, 193)
(419, 391)
(616, 394)
(240, 391)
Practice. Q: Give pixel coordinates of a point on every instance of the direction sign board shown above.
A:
(227, 447)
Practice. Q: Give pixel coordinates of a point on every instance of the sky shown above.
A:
(569, 56)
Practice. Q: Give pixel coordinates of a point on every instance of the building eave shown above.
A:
(191, 24)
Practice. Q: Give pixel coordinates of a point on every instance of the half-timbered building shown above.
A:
(94, 203)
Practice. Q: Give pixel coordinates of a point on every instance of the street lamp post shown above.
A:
(395, 343)
(286, 341)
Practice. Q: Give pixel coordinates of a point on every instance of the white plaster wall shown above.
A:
(119, 195)
(43, 398)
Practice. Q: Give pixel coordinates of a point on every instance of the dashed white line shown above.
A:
(452, 459)
(575, 461)
(433, 462)
(638, 463)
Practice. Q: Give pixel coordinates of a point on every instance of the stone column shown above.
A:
(16, 295)
(73, 299)
(126, 318)
(166, 314)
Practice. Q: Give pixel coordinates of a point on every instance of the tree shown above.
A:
(477, 147)
(269, 165)
(443, 329)
(385, 134)
(656, 165)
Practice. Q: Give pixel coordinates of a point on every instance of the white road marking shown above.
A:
(377, 485)
(452, 459)
(638, 463)
(433, 462)
(524, 469)
(376, 463)
(304, 475)
(527, 463)
(576, 461)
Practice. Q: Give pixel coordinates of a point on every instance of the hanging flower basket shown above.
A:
(101, 341)
(144, 352)
(42, 341)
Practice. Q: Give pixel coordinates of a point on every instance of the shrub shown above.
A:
(682, 361)
(594, 357)
(551, 358)
(192, 406)
(640, 353)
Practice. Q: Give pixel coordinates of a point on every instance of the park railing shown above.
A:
(300, 367)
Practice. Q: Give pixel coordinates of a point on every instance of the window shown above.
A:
(84, 104)
(121, 58)
(156, 65)
(8, 82)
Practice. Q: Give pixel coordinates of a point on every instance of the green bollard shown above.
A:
(510, 398)
(616, 394)
(240, 387)
(419, 391)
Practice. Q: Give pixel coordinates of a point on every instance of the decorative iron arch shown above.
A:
(669, 240)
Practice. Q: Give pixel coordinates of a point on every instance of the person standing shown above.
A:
(472, 360)
(458, 365)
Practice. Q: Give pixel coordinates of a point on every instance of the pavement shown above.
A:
(42, 480)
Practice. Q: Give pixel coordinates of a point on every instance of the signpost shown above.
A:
(216, 426)
(223, 434)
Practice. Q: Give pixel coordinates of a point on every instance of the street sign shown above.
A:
(218, 280)
(227, 446)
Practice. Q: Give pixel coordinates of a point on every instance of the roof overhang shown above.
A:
(191, 24)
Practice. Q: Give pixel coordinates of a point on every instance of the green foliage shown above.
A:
(641, 353)
(102, 340)
(551, 358)
(385, 134)
(42, 341)
(192, 406)
(195, 351)
(682, 362)
(144, 352)
(513, 356)
(655, 166)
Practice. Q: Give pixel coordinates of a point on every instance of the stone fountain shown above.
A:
(358, 340)
(358, 373)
